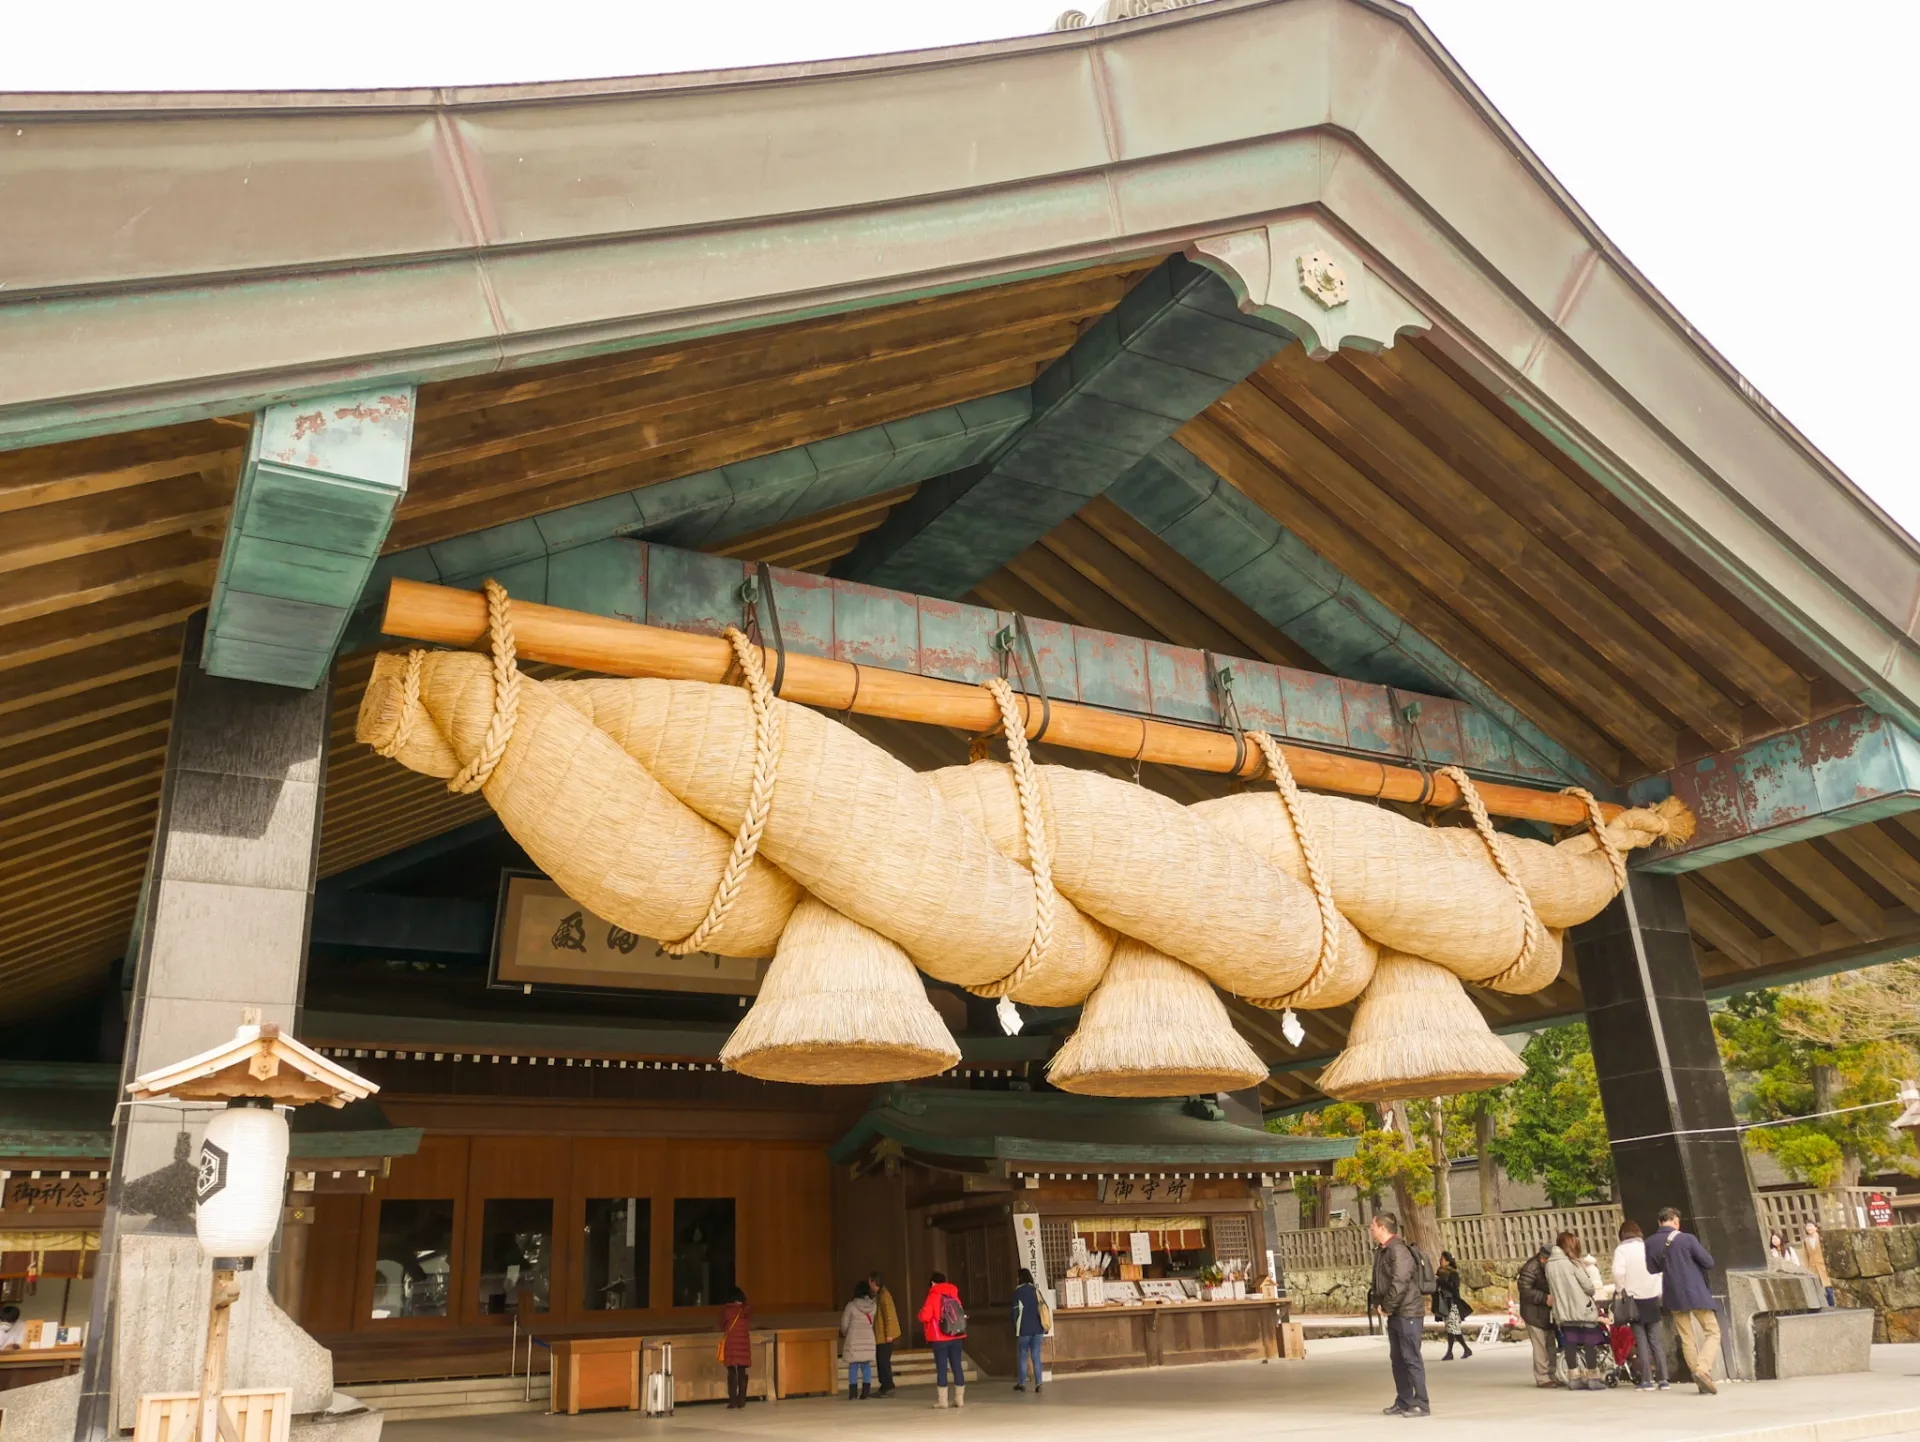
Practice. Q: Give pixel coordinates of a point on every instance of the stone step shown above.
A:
(454, 1397)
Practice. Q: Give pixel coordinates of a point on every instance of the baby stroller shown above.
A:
(1617, 1366)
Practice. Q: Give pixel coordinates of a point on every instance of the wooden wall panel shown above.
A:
(438, 1169)
(333, 1262)
(535, 1167)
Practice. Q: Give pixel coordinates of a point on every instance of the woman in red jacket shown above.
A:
(736, 1345)
(944, 1321)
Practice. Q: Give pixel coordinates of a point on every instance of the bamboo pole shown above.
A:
(577, 639)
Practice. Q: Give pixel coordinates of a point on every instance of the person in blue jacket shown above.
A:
(1029, 1331)
(1686, 1295)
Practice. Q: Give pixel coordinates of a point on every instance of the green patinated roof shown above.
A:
(65, 1109)
(1079, 1131)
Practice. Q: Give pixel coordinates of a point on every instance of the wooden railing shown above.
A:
(1508, 1235)
(1518, 1234)
(1789, 1212)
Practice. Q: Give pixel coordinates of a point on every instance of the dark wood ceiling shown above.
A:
(107, 545)
(1396, 468)
(1467, 523)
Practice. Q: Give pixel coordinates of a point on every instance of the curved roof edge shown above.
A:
(192, 255)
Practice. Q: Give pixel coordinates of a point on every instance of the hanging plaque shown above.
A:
(543, 937)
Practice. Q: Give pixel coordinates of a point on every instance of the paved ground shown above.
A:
(1337, 1391)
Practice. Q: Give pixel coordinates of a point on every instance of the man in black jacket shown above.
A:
(1536, 1310)
(1396, 1282)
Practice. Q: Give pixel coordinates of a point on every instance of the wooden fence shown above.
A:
(1510, 1235)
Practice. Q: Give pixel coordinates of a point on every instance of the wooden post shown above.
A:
(290, 1275)
(613, 647)
(213, 1425)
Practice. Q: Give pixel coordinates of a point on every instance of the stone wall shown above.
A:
(1343, 1292)
(1879, 1268)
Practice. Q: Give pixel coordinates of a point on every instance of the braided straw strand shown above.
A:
(409, 707)
(1533, 934)
(506, 694)
(768, 736)
(1317, 882)
(1597, 824)
(1039, 851)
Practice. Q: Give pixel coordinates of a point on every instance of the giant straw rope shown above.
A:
(703, 814)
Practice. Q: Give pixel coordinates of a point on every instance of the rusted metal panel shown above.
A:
(1112, 670)
(873, 627)
(956, 640)
(804, 603)
(607, 577)
(1315, 709)
(687, 591)
(1053, 646)
(1485, 744)
(1371, 723)
(1178, 685)
(1259, 694)
(1840, 771)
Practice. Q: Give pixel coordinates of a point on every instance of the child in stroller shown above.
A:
(1614, 1310)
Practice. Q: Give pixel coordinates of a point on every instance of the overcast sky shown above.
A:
(1757, 160)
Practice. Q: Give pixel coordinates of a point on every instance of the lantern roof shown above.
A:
(258, 1062)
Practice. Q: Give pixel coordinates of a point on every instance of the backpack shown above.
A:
(1423, 1272)
(953, 1317)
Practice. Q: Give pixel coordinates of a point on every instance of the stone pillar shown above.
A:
(222, 925)
(1660, 1077)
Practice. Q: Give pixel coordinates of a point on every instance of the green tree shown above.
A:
(1790, 1058)
(1385, 1158)
(1555, 1132)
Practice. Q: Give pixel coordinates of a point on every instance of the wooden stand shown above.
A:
(212, 1423)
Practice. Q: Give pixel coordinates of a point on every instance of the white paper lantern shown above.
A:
(243, 1173)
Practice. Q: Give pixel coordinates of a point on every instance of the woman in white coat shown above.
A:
(1637, 1303)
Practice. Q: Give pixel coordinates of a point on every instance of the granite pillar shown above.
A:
(1661, 1083)
(221, 926)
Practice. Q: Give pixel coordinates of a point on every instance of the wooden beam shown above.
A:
(1413, 385)
(59, 633)
(1469, 518)
(1309, 465)
(1710, 919)
(74, 470)
(1137, 587)
(1249, 628)
(457, 503)
(1078, 597)
(1754, 891)
(1874, 850)
(622, 648)
(1090, 291)
(1357, 558)
(1823, 883)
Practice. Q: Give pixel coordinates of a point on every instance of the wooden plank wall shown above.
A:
(784, 1245)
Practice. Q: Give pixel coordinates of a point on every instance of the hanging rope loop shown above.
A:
(1026, 784)
(1597, 824)
(1317, 879)
(769, 736)
(506, 694)
(1533, 934)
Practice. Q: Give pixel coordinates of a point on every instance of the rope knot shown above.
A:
(506, 693)
(1033, 824)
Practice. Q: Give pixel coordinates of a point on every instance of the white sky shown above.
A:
(1757, 160)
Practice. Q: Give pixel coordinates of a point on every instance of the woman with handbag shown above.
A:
(736, 1345)
(1636, 1304)
(1029, 1331)
(1449, 1307)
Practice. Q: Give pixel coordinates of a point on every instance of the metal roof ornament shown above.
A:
(1297, 272)
(1323, 278)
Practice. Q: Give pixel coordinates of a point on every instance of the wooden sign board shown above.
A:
(543, 937)
(50, 1197)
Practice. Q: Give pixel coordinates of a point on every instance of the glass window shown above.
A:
(516, 1245)
(619, 1233)
(702, 1251)
(412, 1267)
